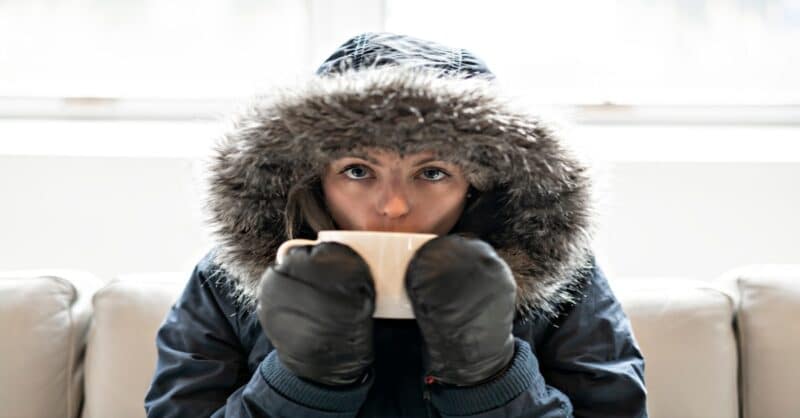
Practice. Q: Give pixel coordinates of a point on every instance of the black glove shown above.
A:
(463, 298)
(316, 308)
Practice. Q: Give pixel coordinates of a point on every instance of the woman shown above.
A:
(398, 134)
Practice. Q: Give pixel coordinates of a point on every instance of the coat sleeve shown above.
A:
(591, 355)
(202, 367)
(587, 364)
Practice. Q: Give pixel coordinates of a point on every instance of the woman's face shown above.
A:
(383, 192)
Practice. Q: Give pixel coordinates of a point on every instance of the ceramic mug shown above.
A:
(386, 253)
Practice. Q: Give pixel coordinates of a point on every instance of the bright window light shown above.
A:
(578, 52)
(149, 48)
(675, 52)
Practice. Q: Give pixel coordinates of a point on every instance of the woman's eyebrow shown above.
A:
(365, 158)
(426, 160)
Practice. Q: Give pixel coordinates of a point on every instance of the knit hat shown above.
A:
(382, 49)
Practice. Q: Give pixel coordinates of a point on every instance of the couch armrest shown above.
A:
(44, 319)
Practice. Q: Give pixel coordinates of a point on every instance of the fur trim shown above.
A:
(544, 207)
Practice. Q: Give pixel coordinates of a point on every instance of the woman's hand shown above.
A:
(316, 308)
(463, 297)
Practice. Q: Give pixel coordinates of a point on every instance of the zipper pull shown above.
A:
(427, 381)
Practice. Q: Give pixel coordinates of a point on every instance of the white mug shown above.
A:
(386, 253)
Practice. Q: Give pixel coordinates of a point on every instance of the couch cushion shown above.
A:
(768, 322)
(685, 331)
(44, 318)
(121, 356)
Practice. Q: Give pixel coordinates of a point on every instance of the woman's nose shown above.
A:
(395, 205)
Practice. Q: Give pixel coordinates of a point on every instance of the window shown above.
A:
(149, 48)
(665, 62)
(632, 52)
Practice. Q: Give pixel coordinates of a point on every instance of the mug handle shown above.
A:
(280, 254)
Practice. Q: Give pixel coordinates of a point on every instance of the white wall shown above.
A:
(108, 215)
(77, 204)
(699, 219)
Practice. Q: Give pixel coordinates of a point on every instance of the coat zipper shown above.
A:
(426, 396)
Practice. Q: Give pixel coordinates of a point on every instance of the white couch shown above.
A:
(729, 347)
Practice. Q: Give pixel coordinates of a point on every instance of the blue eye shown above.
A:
(433, 174)
(359, 171)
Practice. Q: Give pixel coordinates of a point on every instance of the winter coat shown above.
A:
(575, 352)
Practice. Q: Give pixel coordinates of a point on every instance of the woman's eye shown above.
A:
(434, 174)
(357, 172)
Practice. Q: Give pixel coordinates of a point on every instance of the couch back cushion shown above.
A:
(121, 353)
(44, 318)
(685, 331)
(768, 322)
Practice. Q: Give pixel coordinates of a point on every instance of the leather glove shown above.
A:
(316, 308)
(463, 297)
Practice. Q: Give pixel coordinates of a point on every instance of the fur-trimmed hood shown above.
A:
(540, 205)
